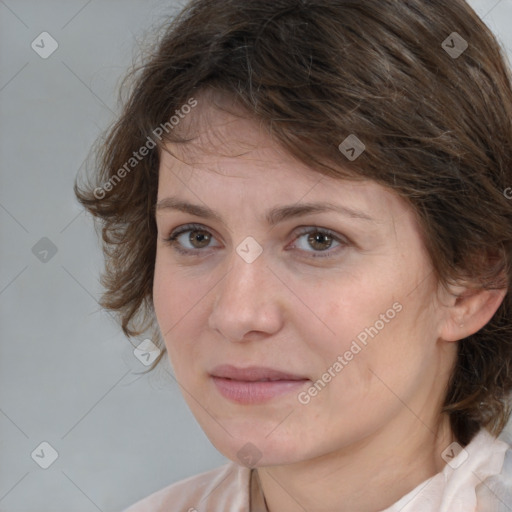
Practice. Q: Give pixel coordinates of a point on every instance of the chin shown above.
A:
(251, 445)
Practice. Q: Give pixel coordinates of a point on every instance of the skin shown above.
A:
(377, 424)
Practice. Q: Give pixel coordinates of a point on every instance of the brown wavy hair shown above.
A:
(436, 126)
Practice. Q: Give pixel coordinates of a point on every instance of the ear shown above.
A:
(467, 310)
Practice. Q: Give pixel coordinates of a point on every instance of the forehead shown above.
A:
(232, 154)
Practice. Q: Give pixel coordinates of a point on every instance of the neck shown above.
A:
(368, 477)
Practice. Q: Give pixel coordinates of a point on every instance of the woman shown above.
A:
(305, 201)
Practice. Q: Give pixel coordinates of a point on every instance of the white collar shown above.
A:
(454, 488)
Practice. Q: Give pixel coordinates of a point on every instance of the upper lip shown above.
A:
(252, 373)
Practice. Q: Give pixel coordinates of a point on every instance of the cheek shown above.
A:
(366, 322)
(182, 302)
(175, 302)
(339, 311)
(163, 298)
(174, 291)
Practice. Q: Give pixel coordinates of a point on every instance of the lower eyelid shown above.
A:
(328, 253)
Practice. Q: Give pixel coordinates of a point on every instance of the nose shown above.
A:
(249, 302)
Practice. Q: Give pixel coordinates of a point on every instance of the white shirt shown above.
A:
(475, 480)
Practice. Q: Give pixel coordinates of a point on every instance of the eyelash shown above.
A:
(172, 240)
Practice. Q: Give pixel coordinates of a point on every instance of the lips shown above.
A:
(254, 384)
(253, 374)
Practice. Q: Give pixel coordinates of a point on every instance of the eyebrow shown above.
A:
(273, 216)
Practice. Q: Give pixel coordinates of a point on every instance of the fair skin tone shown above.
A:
(298, 306)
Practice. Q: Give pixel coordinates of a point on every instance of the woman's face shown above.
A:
(294, 330)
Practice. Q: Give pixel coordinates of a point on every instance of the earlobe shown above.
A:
(469, 311)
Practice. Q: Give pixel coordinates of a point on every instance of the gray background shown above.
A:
(68, 376)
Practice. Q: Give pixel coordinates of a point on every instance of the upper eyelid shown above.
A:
(189, 227)
(200, 227)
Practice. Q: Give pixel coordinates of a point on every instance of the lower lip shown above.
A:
(244, 392)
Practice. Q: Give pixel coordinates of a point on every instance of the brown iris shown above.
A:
(318, 241)
(202, 238)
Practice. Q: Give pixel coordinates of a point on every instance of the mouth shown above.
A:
(254, 384)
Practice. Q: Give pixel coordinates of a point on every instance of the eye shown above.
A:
(321, 240)
(190, 239)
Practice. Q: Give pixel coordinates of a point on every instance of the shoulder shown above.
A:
(494, 493)
(474, 478)
(218, 489)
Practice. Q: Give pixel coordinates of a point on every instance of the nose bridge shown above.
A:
(245, 279)
(245, 300)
